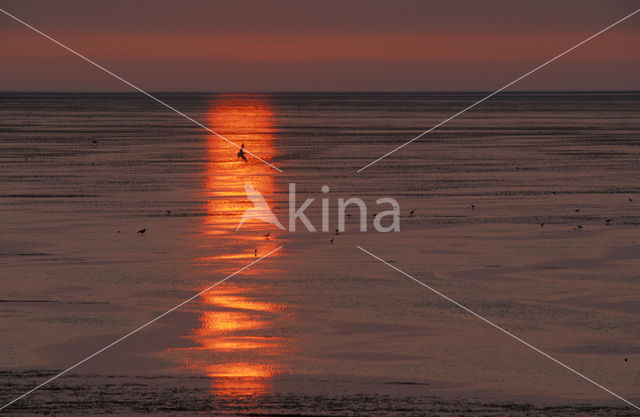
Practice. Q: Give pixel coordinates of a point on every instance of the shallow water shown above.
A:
(82, 173)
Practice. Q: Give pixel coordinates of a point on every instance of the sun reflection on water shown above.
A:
(234, 342)
(243, 120)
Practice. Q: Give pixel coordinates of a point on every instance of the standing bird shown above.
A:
(241, 153)
(141, 231)
(331, 241)
(411, 213)
(255, 252)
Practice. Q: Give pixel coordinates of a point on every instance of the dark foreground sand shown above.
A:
(165, 395)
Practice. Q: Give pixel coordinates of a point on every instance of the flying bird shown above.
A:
(241, 153)
(141, 231)
(411, 213)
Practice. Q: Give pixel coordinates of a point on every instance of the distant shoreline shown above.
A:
(444, 92)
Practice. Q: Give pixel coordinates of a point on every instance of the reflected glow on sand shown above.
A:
(243, 120)
(234, 344)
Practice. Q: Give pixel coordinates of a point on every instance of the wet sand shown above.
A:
(320, 328)
(114, 395)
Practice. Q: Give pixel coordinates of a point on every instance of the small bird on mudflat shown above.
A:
(331, 241)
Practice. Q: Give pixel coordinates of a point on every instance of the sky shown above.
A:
(247, 45)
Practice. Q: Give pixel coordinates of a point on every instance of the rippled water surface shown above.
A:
(526, 211)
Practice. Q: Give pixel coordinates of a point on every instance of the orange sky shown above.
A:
(361, 46)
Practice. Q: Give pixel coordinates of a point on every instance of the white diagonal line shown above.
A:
(136, 88)
(500, 328)
(498, 90)
(138, 329)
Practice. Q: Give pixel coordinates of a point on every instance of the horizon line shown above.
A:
(316, 91)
